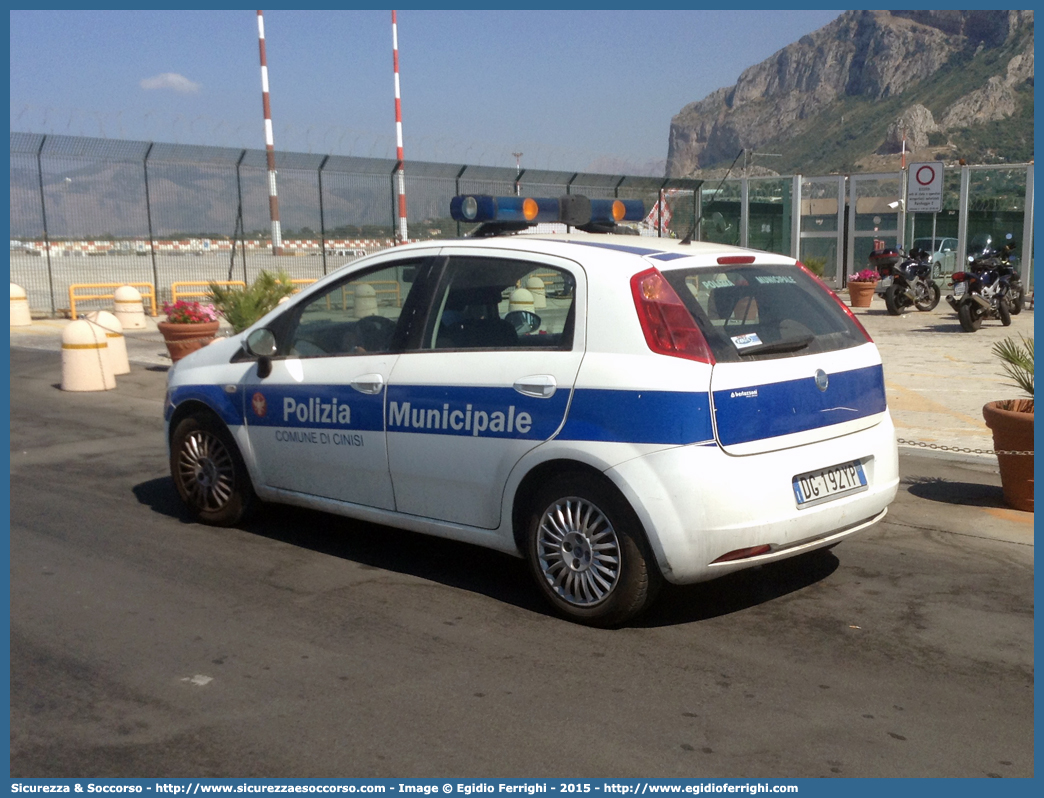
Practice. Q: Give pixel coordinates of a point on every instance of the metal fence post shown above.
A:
(456, 189)
(148, 218)
(795, 218)
(239, 221)
(1027, 231)
(744, 220)
(43, 212)
(962, 218)
(322, 220)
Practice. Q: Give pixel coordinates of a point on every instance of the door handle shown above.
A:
(368, 383)
(540, 386)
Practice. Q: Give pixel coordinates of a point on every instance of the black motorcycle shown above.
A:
(906, 280)
(989, 289)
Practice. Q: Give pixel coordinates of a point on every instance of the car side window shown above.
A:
(501, 303)
(356, 316)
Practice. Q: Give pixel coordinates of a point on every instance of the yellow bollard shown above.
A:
(365, 301)
(19, 307)
(85, 358)
(129, 309)
(520, 299)
(537, 289)
(113, 330)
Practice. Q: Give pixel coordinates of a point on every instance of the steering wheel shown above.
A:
(374, 333)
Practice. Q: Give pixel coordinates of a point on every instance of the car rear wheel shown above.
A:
(588, 553)
(209, 472)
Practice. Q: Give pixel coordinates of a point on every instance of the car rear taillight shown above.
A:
(667, 324)
(837, 299)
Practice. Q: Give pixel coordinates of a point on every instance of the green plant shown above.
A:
(815, 265)
(241, 307)
(1017, 360)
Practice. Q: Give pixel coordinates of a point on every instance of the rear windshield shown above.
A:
(760, 312)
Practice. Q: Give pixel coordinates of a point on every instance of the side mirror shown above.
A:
(523, 321)
(262, 345)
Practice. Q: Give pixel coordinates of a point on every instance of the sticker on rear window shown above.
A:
(775, 278)
(743, 341)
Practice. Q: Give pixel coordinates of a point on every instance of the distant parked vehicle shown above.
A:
(943, 253)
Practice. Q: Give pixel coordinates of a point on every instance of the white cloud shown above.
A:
(171, 80)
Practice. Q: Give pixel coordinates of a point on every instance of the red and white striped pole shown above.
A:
(273, 197)
(400, 174)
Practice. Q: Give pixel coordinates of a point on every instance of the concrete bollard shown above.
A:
(520, 299)
(85, 358)
(365, 301)
(113, 330)
(19, 307)
(539, 292)
(129, 308)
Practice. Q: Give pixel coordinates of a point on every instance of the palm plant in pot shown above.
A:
(1011, 421)
(241, 307)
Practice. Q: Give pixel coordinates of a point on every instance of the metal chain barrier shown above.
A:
(963, 450)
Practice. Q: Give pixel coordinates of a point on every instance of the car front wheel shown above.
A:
(588, 553)
(209, 472)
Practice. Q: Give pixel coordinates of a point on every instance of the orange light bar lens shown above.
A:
(530, 208)
(618, 210)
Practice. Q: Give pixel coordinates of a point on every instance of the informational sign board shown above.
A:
(924, 188)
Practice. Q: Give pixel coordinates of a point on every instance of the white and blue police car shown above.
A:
(617, 410)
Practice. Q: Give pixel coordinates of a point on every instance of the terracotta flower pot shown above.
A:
(861, 293)
(1012, 425)
(184, 339)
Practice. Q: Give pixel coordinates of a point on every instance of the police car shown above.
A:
(617, 410)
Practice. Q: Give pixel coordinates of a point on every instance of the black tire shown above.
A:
(934, 295)
(208, 471)
(895, 300)
(1016, 299)
(1003, 311)
(969, 316)
(588, 553)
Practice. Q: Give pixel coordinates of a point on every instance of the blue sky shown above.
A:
(569, 89)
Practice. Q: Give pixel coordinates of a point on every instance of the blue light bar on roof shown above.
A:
(572, 209)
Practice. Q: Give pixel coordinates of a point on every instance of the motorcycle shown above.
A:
(906, 279)
(990, 288)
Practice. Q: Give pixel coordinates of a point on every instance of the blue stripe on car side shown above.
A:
(783, 408)
(653, 417)
(228, 406)
(474, 411)
(668, 417)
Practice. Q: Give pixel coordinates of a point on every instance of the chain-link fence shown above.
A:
(89, 210)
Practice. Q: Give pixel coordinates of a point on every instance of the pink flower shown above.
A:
(183, 312)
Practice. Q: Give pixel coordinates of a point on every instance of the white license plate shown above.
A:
(959, 289)
(884, 282)
(827, 484)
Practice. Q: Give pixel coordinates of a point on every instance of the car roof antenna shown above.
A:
(696, 224)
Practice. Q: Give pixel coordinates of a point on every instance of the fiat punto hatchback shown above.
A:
(617, 410)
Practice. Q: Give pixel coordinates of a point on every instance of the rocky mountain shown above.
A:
(957, 84)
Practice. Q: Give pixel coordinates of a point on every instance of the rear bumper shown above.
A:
(698, 503)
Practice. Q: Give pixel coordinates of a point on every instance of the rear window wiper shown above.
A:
(786, 345)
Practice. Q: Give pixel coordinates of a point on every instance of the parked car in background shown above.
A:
(943, 252)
